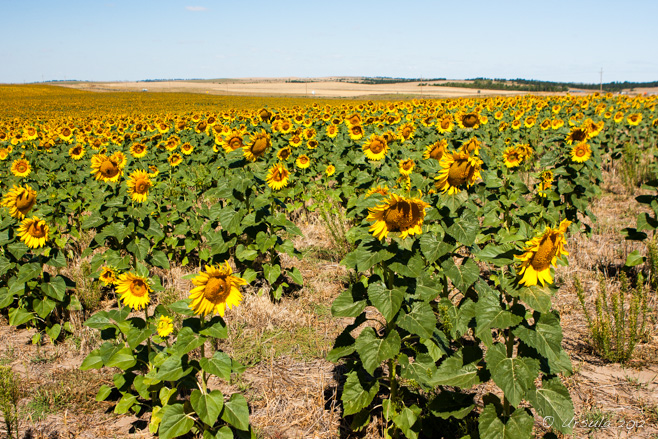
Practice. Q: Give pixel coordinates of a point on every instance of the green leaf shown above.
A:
(518, 425)
(406, 421)
(420, 320)
(92, 361)
(350, 303)
(219, 364)
(175, 422)
(465, 228)
(365, 257)
(634, 258)
(296, 276)
(160, 259)
(374, 350)
(28, 272)
(434, 247)
(462, 276)
(43, 307)
(215, 328)
(490, 314)
(207, 406)
(537, 297)
(54, 331)
(182, 307)
(453, 371)
(171, 369)
(187, 341)
(545, 336)
(515, 376)
(452, 404)
(271, 272)
(19, 316)
(123, 359)
(103, 392)
(387, 301)
(236, 412)
(56, 288)
(358, 392)
(124, 404)
(553, 400)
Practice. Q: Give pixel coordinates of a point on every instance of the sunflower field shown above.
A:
(452, 217)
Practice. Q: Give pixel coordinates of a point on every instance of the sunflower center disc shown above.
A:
(216, 290)
(259, 147)
(458, 172)
(138, 287)
(36, 230)
(109, 169)
(142, 186)
(400, 217)
(436, 153)
(25, 201)
(470, 120)
(376, 146)
(235, 143)
(546, 252)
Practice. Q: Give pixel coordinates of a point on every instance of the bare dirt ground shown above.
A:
(323, 87)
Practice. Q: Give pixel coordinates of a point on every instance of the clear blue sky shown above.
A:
(147, 39)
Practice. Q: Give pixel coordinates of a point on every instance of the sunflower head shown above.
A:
(457, 169)
(175, 159)
(21, 168)
(397, 214)
(381, 190)
(581, 152)
(133, 290)
(375, 147)
(77, 152)
(540, 253)
(106, 168)
(259, 144)
(139, 185)
(165, 326)
(277, 177)
(331, 170)
(406, 166)
(33, 232)
(436, 150)
(303, 161)
(108, 275)
(20, 200)
(512, 156)
(215, 290)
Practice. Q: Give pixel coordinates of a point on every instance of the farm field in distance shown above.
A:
(336, 261)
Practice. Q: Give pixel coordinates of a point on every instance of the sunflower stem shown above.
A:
(202, 324)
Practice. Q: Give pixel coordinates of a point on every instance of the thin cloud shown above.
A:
(196, 8)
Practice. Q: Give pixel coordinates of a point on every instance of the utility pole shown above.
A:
(601, 81)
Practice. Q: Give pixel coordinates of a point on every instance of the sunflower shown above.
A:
(513, 156)
(154, 171)
(77, 152)
(356, 132)
(375, 147)
(138, 150)
(381, 190)
(175, 159)
(331, 170)
(436, 150)
(445, 124)
(216, 289)
(232, 141)
(139, 185)
(295, 140)
(33, 232)
(21, 168)
(397, 214)
(458, 168)
(471, 146)
(106, 168)
(312, 144)
(516, 124)
(277, 177)
(468, 120)
(165, 326)
(526, 150)
(545, 124)
(406, 166)
(407, 131)
(540, 253)
(634, 119)
(259, 144)
(134, 290)
(4, 153)
(546, 182)
(557, 124)
(331, 130)
(20, 200)
(581, 152)
(186, 148)
(577, 135)
(303, 161)
(108, 275)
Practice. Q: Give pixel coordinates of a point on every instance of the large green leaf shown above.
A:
(518, 425)
(387, 301)
(374, 350)
(207, 406)
(420, 320)
(515, 376)
(350, 303)
(552, 401)
(537, 297)
(365, 257)
(463, 275)
(545, 337)
(236, 412)
(358, 392)
(454, 371)
(175, 422)
(123, 359)
(56, 288)
(452, 404)
(465, 228)
(489, 314)
(219, 364)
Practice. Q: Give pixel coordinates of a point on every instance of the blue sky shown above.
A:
(118, 40)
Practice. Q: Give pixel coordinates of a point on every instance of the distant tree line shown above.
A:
(532, 85)
(386, 80)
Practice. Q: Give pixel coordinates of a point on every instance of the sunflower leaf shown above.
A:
(420, 320)
(175, 421)
(236, 412)
(207, 406)
(358, 392)
(219, 364)
(462, 276)
(553, 400)
(518, 425)
(374, 350)
(387, 301)
(515, 376)
(465, 229)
